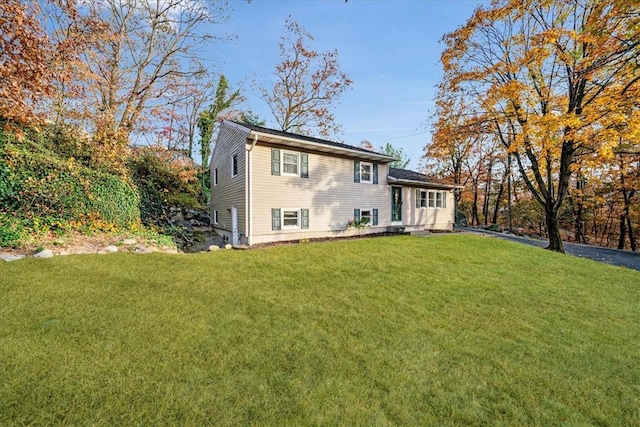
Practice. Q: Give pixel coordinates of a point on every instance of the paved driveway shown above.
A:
(618, 257)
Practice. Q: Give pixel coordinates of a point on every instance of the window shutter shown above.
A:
(375, 173)
(275, 219)
(304, 165)
(356, 171)
(375, 217)
(275, 162)
(304, 213)
(356, 214)
(444, 199)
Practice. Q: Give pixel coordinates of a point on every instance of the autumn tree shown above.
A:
(308, 84)
(148, 44)
(30, 59)
(209, 118)
(549, 76)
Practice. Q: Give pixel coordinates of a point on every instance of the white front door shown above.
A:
(234, 226)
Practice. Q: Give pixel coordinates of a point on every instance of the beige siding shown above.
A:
(427, 218)
(230, 191)
(329, 193)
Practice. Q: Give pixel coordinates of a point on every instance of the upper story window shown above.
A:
(234, 165)
(289, 163)
(365, 172)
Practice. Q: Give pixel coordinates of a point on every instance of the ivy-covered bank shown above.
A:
(49, 186)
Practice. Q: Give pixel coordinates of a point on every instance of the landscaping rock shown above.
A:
(109, 250)
(129, 242)
(214, 248)
(44, 254)
(228, 246)
(10, 257)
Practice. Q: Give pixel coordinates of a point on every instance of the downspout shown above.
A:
(248, 196)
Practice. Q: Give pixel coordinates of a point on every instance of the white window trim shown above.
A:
(236, 174)
(215, 175)
(435, 199)
(290, 227)
(370, 180)
(215, 216)
(299, 156)
(370, 223)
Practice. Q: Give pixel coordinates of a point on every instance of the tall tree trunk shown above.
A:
(553, 228)
(578, 209)
(509, 218)
(494, 220)
(623, 232)
(487, 193)
(632, 239)
(474, 209)
(625, 220)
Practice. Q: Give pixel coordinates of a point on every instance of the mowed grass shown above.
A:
(445, 330)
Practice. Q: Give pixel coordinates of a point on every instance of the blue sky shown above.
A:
(390, 49)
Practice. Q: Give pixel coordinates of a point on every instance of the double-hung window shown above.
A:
(290, 163)
(365, 172)
(366, 216)
(421, 198)
(289, 218)
(432, 199)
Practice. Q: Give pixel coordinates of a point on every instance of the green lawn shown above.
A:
(445, 330)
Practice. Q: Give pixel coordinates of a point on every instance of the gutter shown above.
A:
(393, 180)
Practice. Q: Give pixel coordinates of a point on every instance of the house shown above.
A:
(270, 186)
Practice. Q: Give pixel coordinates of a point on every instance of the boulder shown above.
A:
(228, 246)
(214, 248)
(44, 254)
(108, 250)
(129, 242)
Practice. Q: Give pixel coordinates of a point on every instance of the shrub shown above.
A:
(11, 230)
(164, 186)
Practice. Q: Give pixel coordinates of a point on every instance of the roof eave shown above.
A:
(297, 143)
(415, 183)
